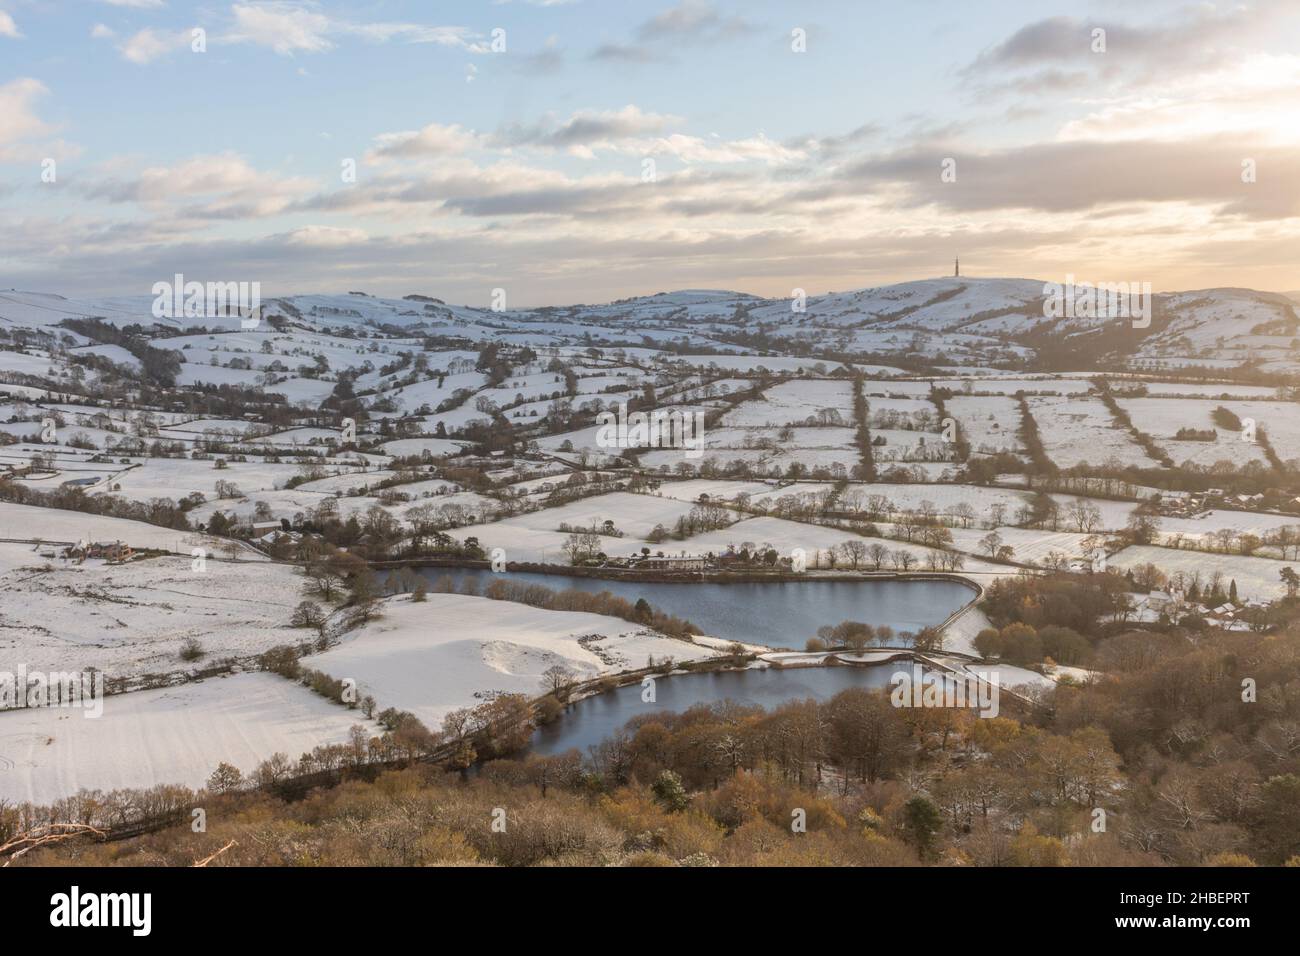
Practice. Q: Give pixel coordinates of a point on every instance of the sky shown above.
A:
(590, 150)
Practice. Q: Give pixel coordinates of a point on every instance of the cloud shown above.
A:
(693, 149)
(320, 237)
(17, 118)
(136, 4)
(292, 27)
(1253, 100)
(1050, 54)
(690, 22)
(546, 61)
(433, 140)
(1052, 40)
(220, 186)
(693, 21)
(586, 130)
(22, 131)
(624, 53)
(149, 44)
(285, 28)
(1084, 176)
(7, 26)
(834, 144)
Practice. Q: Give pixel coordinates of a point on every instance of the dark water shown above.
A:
(590, 721)
(773, 613)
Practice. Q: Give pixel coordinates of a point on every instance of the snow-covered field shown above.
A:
(1081, 431)
(1208, 522)
(1162, 418)
(989, 423)
(1028, 546)
(536, 536)
(177, 477)
(451, 651)
(692, 489)
(31, 523)
(793, 402)
(1257, 578)
(132, 619)
(173, 735)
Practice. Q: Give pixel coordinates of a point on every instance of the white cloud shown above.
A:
(434, 140)
(291, 27)
(1253, 100)
(17, 118)
(586, 130)
(19, 124)
(223, 185)
(285, 28)
(324, 236)
(7, 26)
(149, 44)
(693, 149)
(136, 4)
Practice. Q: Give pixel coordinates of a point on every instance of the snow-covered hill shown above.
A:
(971, 320)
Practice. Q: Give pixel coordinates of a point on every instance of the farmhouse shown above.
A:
(114, 551)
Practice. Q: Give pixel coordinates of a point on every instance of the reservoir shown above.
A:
(771, 613)
(588, 722)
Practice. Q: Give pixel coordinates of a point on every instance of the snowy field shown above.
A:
(177, 477)
(1028, 546)
(1243, 522)
(1162, 418)
(133, 619)
(176, 735)
(692, 489)
(453, 650)
(1081, 431)
(793, 402)
(30, 523)
(1257, 578)
(535, 537)
(989, 423)
(633, 514)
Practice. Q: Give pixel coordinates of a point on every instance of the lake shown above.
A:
(771, 613)
(590, 721)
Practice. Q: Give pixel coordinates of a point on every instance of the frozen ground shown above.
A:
(1081, 430)
(175, 735)
(31, 523)
(452, 651)
(1257, 578)
(132, 619)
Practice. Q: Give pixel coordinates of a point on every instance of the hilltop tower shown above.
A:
(956, 266)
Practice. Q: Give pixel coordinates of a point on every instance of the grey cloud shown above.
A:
(1075, 176)
(690, 22)
(581, 129)
(1195, 37)
(624, 53)
(693, 21)
(1052, 40)
(545, 62)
